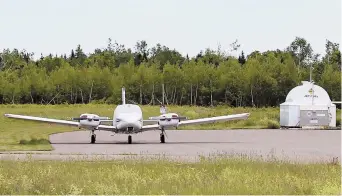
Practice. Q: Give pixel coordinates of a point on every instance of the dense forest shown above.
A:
(211, 77)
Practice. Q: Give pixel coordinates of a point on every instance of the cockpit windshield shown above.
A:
(128, 108)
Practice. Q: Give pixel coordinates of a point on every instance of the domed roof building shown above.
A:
(308, 93)
(307, 105)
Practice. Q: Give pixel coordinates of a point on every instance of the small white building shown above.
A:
(307, 105)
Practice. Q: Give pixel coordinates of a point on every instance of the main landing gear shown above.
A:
(93, 137)
(162, 136)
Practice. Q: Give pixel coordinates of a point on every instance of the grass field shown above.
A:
(28, 135)
(233, 176)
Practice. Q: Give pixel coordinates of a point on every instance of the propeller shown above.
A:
(179, 118)
(164, 118)
(78, 119)
(90, 119)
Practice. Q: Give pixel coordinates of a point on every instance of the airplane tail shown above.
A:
(163, 109)
(123, 96)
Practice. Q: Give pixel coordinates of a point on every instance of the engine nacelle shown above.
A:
(168, 122)
(89, 121)
(88, 124)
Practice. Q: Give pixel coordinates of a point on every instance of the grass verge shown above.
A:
(155, 177)
(28, 135)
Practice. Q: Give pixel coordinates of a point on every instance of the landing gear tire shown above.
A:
(162, 138)
(93, 139)
(129, 139)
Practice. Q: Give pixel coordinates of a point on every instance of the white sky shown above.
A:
(57, 26)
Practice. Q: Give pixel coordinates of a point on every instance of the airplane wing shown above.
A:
(242, 116)
(106, 128)
(57, 121)
(40, 119)
(106, 122)
(150, 122)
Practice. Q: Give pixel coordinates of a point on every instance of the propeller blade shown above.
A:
(79, 118)
(164, 118)
(95, 118)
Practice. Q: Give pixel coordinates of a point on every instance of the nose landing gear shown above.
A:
(93, 137)
(129, 139)
(162, 136)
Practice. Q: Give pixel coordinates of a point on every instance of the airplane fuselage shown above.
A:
(128, 118)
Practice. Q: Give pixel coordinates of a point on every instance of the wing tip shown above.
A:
(246, 115)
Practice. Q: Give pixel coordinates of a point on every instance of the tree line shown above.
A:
(211, 77)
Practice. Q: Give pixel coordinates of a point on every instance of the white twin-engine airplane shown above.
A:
(128, 119)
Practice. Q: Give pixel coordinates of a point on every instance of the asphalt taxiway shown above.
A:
(292, 145)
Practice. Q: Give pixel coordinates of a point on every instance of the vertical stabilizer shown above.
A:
(162, 109)
(123, 96)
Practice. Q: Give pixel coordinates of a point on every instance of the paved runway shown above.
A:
(294, 145)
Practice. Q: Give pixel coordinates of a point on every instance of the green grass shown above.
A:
(28, 135)
(152, 177)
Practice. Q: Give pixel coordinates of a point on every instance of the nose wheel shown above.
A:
(93, 137)
(129, 139)
(162, 136)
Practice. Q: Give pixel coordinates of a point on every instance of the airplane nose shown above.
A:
(130, 118)
(129, 121)
(133, 120)
(126, 124)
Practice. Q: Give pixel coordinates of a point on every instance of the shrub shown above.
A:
(34, 141)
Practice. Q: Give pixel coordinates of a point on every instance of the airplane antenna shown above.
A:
(163, 93)
(162, 109)
(310, 74)
(123, 96)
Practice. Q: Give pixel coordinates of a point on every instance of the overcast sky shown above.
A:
(57, 26)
